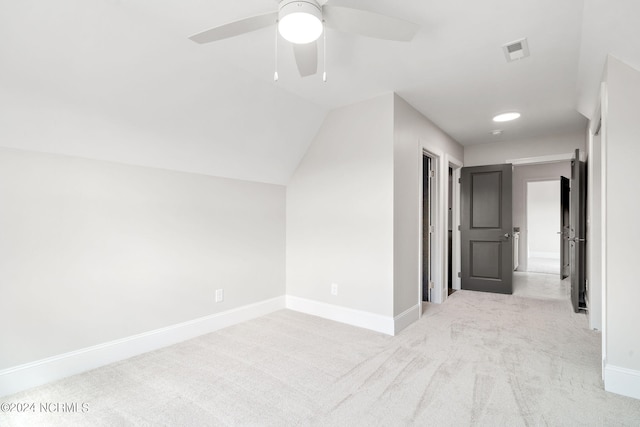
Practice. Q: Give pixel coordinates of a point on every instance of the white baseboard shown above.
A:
(23, 377)
(361, 319)
(622, 381)
(406, 318)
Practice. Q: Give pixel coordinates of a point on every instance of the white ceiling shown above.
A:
(119, 80)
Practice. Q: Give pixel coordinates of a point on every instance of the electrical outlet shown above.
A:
(219, 295)
(334, 289)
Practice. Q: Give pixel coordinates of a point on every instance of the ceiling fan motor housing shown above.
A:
(300, 21)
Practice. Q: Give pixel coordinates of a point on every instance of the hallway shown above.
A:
(541, 286)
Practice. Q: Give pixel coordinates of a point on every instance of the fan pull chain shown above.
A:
(275, 75)
(324, 53)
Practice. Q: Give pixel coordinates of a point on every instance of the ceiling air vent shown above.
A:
(516, 50)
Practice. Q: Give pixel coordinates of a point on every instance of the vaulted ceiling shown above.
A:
(119, 80)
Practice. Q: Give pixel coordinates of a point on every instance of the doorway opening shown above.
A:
(538, 274)
(543, 226)
(428, 175)
(450, 288)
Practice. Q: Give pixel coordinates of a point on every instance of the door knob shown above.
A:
(507, 235)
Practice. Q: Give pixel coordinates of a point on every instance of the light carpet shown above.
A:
(479, 359)
(541, 285)
(543, 265)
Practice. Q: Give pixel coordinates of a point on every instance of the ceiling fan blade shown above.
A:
(235, 28)
(369, 23)
(306, 58)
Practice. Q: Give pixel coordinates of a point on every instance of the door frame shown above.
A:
(440, 162)
(456, 165)
(598, 318)
(436, 241)
(431, 180)
(595, 223)
(522, 161)
(528, 161)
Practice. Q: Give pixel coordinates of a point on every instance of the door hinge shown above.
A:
(459, 228)
(432, 174)
(431, 229)
(459, 180)
(459, 274)
(431, 286)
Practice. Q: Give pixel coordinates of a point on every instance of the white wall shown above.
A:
(340, 211)
(500, 152)
(543, 219)
(594, 226)
(413, 132)
(93, 251)
(522, 174)
(353, 209)
(622, 234)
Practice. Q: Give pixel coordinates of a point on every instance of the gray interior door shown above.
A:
(577, 237)
(564, 227)
(486, 228)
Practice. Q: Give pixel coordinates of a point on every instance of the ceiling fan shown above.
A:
(302, 22)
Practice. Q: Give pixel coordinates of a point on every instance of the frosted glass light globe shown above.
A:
(300, 22)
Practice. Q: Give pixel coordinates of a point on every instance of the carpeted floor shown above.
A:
(541, 285)
(479, 359)
(543, 265)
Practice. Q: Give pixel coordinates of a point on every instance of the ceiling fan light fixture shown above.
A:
(300, 22)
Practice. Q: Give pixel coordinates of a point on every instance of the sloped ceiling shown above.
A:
(119, 80)
(609, 28)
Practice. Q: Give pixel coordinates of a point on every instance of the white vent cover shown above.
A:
(516, 50)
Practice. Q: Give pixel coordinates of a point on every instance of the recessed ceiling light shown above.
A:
(496, 132)
(506, 117)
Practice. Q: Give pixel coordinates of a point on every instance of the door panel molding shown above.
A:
(481, 253)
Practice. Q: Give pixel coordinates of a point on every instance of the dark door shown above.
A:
(486, 229)
(564, 227)
(426, 228)
(577, 230)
